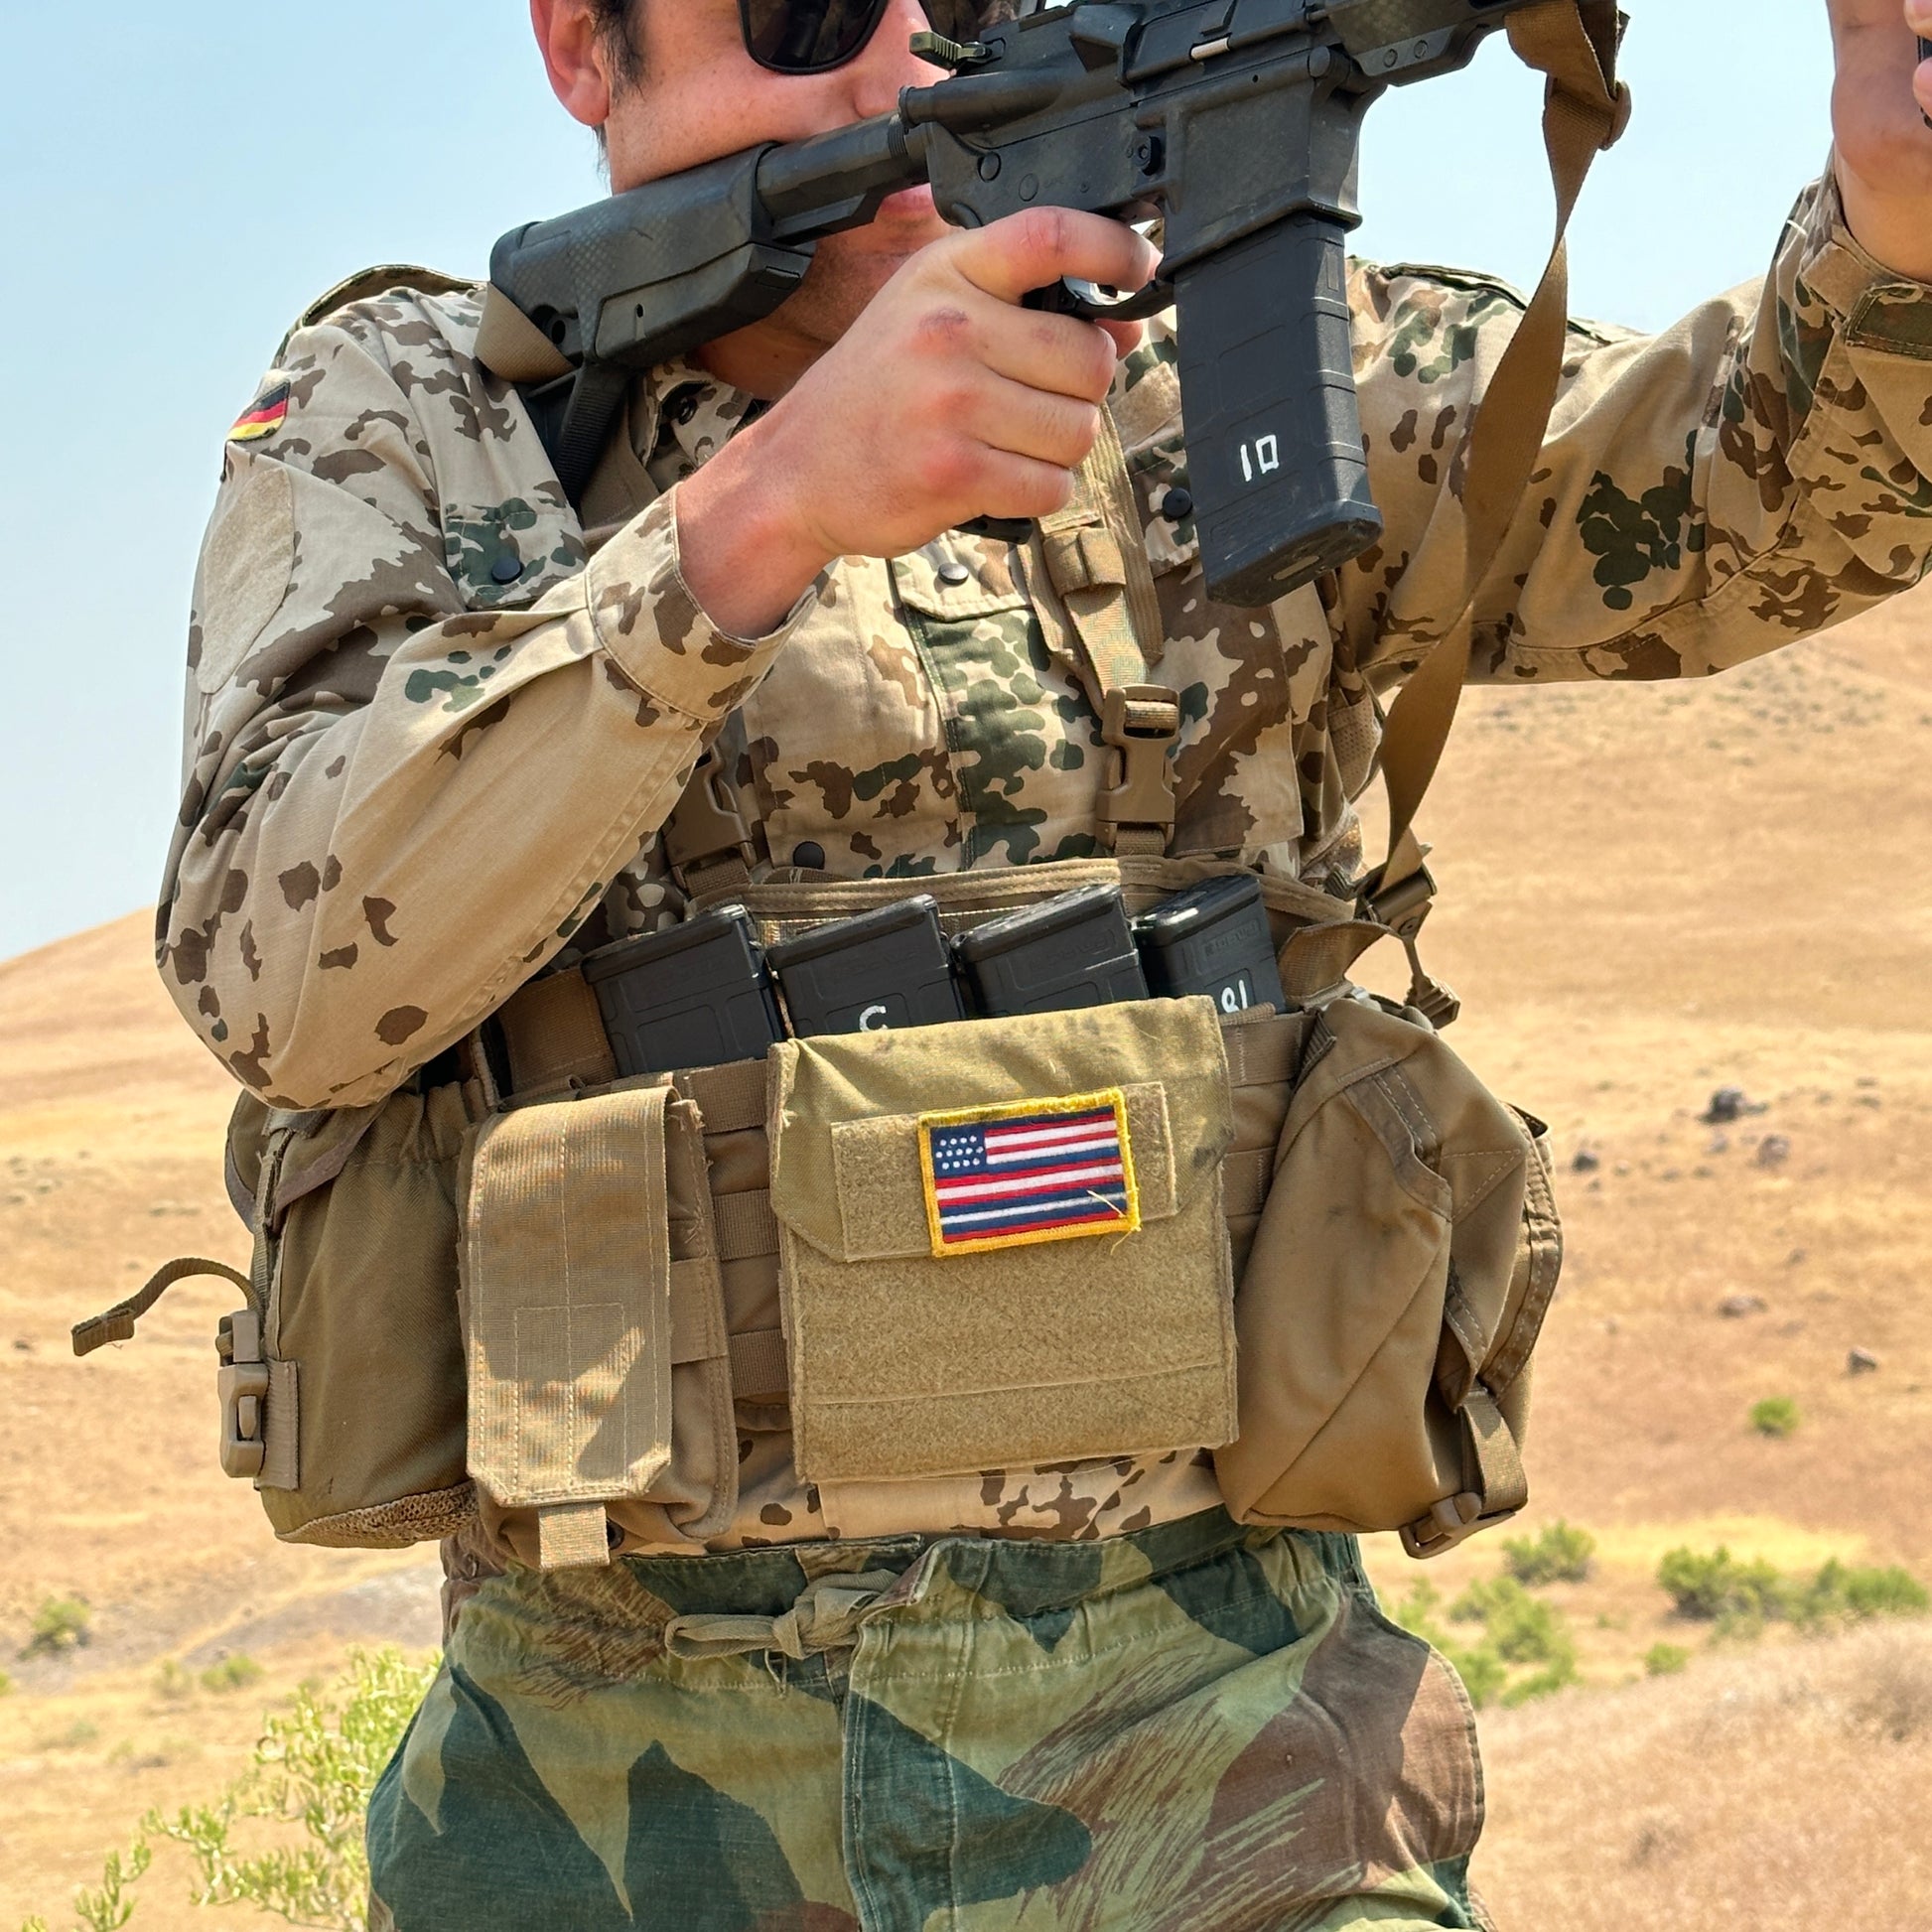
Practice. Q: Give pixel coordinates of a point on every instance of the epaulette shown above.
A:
(379, 280)
(1473, 282)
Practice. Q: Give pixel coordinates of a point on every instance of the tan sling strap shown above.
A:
(1573, 43)
(1096, 557)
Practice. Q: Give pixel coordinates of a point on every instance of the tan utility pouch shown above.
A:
(1401, 1269)
(364, 1416)
(589, 1281)
(1002, 1242)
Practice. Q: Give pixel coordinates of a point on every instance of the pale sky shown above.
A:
(176, 183)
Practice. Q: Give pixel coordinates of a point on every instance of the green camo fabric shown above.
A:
(1195, 1727)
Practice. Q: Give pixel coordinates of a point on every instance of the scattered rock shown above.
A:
(1794, 1257)
(1623, 1168)
(1773, 1151)
(22, 1346)
(1585, 1161)
(1610, 1324)
(1861, 1361)
(1735, 1308)
(1728, 1104)
(1719, 1143)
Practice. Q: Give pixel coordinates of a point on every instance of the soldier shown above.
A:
(438, 716)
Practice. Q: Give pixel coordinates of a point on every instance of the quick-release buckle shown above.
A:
(242, 1387)
(1142, 722)
(706, 825)
(1449, 1522)
(1404, 908)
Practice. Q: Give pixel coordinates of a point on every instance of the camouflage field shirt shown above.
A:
(434, 723)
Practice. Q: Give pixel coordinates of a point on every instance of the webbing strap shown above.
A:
(1573, 43)
(117, 1323)
(1096, 557)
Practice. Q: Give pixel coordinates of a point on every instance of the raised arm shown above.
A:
(1759, 471)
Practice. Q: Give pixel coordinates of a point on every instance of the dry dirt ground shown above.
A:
(1648, 893)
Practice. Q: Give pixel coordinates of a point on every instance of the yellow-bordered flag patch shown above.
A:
(1029, 1171)
(263, 417)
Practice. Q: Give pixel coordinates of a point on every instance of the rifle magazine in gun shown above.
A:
(1275, 459)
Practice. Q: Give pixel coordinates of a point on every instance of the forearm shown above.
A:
(362, 887)
(1751, 475)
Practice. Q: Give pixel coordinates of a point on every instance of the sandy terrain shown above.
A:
(1649, 893)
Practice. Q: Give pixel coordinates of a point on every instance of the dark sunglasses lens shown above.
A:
(806, 36)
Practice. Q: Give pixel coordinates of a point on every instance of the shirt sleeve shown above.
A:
(398, 804)
(1758, 472)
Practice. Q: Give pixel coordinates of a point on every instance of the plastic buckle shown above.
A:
(706, 825)
(1404, 908)
(1142, 722)
(242, 1386)
(1449, 1522)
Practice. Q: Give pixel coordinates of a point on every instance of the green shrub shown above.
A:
(1518, 1632)
(1776, 1416)
(107, 1907)
(76, 1737)
(314, 1765)
(1665, 1659)
(61, 1625)
(174, 1681)
(1711, 1584)
(231, 1674)
(1523, 1629)
(1560, 1555)
(1841, 1593)
(6, 1685)
(1740, 1598)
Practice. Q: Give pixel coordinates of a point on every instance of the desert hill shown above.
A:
(1649, 893)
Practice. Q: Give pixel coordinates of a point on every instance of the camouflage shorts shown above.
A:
(1191, 1727)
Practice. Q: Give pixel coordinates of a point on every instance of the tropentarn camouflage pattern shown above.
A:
(426, 742)
(980, 1734)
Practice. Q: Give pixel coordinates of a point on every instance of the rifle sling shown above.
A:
(1573, 43)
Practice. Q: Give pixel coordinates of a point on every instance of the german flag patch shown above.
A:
(263, 417)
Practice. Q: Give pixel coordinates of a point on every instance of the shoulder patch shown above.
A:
(263, 417)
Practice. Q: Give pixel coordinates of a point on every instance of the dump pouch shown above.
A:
(1401, 1268)
(364, 1411)
(1002, 1242)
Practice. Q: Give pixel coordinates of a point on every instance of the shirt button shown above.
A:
(809, 856)
(954, 572)
(507, 568)
(1177, 506)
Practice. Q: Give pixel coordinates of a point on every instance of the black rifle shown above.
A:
(1237, 122)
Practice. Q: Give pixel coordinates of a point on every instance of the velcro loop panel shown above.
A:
(568, 1281)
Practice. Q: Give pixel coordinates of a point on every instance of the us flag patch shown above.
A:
(263, 417)
(1030, 1170)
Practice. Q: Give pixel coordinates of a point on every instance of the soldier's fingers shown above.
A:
(1034, 249)
(1038, 423)
(1046, 351)
(1022, 486)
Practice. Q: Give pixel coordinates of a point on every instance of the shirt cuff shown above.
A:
(1880, 309)
(658, 634)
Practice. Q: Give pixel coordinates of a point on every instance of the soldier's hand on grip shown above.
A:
(945, 400)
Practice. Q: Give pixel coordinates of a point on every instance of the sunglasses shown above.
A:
(815, 36)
